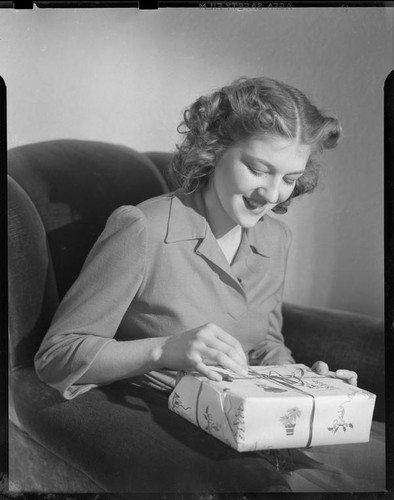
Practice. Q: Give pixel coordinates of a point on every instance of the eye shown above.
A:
(257, 173)
(290, 182)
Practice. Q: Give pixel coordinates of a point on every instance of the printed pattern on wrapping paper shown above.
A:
(339, 423)
(211, 424)
(176, 404)
(238, 424)
(289, 420)
(272, 380)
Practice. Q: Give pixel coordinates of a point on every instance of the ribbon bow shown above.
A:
(292, 380)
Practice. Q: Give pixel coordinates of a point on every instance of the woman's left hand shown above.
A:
(321, 368)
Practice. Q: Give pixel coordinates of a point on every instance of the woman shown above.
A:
(194, 278)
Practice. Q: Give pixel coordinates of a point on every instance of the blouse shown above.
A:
(157, 270)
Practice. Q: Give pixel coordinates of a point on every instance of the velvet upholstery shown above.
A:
(60, 194)
(32, 288)
(97, 433)
(75, 185)
(343, 340)
(34, 468)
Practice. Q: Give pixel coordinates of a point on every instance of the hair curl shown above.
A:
(246, 108)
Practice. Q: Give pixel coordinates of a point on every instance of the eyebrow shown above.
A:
(266, 163)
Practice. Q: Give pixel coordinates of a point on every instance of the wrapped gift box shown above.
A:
(275, 407)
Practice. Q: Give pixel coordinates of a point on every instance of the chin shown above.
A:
(248, 222)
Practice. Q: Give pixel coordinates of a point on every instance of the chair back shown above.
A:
(60, 194)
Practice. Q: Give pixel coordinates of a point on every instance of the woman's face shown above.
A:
(251, 178)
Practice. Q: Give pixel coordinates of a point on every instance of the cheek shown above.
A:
(242, 182)
(285, 192)
(232, 182)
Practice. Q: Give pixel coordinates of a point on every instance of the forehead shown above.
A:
(279, 151)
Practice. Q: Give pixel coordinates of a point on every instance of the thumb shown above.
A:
(320, 367)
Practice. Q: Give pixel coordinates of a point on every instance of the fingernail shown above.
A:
(339, 373)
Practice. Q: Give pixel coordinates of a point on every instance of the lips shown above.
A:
(252, 204)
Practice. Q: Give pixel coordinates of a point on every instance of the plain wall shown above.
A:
(124, 76)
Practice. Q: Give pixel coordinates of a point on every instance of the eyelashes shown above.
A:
(258, 173)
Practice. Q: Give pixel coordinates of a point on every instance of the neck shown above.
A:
(221, 225)
(234, 233)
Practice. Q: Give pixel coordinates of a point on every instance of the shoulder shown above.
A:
(125, 224)
(149, 217)
(124, 217)
(156, 209)
(153, 210)
(156, 212)
(277, 227)
(272, 235)
(123, 238)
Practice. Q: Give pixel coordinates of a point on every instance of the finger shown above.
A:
(229, 346)
(320, 368)
(222, 359)
(211, 374)
(348, 375)
(231, 341)
(219, 346)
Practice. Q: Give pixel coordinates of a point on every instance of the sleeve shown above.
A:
(91, 311)
(272, 350)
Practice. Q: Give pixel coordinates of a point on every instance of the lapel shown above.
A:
(187, 221)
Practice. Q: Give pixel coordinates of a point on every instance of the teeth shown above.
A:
(254, 203)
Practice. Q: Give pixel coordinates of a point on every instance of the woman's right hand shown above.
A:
(200, 348)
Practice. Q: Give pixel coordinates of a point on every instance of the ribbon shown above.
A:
(198, 402)
(291, 382)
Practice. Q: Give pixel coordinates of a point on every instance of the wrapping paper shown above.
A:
(275, 407)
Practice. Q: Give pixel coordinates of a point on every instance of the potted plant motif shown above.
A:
(289, 420)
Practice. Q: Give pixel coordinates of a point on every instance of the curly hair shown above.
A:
(247, 108)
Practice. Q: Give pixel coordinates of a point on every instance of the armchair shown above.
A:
(60, 194)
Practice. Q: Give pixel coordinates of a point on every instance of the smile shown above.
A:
(252, 204)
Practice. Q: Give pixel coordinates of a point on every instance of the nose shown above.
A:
(271, 190)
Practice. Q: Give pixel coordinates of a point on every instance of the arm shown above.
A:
(194, 350)
(90, 313)
(79, 351)
(272, 350)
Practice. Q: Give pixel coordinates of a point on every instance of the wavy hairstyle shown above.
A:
(247, 108)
